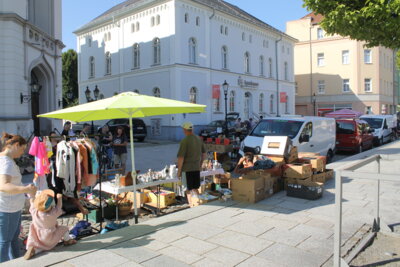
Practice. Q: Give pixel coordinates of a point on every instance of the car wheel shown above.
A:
(360, 148)
(393, 137)
(381, 141)
(329, 157)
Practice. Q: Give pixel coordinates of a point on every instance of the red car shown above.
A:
(353, 135)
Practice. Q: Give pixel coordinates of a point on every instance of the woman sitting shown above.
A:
(246, 163)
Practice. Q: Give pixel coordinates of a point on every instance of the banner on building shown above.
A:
(216, 91)
(282, 97)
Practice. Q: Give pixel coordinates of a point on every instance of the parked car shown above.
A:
(77, 128)
(384, 127)
(139, 128)
(353, 135)
(217, 127)
(309, 134)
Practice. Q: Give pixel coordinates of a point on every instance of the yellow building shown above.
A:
(335, 72)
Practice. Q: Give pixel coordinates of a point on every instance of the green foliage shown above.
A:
(70, 78)
(377, 22)
(398, 59)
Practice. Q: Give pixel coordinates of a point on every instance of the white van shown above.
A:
(309, 134)
(384, 127)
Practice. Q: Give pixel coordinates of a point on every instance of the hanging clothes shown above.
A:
(65, 164)
(38, 149)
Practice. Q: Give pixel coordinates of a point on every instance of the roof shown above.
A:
(315, 18)
(220, 5)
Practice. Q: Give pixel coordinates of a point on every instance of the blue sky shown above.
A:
(274, 12)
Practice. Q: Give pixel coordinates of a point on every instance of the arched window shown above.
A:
(286, 71)
(91, 67)
(133, 27)
(192, 51)
(270, 67)
(186, 18)
(224, 57)
(271, 104)
(89, 41)
(152, 21)
(136, 56)
(108, 63)
(156, 51)
(232, 101)
(261, 65)
(197, 21)
(193, 95)
(243, 36)
(261, 103)
(247, 62)
(158, 20)
(137, 26)
(156, 92)
(221, 29)
(226, 30)
(287, 105)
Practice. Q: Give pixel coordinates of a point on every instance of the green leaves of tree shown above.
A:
(70, 78)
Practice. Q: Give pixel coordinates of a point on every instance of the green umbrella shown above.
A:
(125, 105)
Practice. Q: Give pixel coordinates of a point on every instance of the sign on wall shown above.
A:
(282, 97)
(216, 88)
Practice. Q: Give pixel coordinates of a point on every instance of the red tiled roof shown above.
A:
(316, 19)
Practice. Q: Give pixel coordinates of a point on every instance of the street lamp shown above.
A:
(96, 93)
(225, 86)
(314, 100)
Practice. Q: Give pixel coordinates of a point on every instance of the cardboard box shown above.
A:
(308, 154)
(204, 187)
(278, 183)
(254, 174)
(309, 190)
(297, 170)
(201, 200)
(167, 198)
(317, 163)
(276, 145)
(319, 177)
(248, 190)
(95, 215)
(268, 186)
(293, 155)
(277, 159)
(329, 174)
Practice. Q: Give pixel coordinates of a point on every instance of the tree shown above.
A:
(70, 78)
(377, 22)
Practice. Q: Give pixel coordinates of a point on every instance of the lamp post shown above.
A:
(314, 100)
(33, 97)
(225, 86)
(89, 98)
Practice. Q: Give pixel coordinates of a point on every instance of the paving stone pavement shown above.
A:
(278, 231)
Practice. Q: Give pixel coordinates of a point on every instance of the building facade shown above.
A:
(335, 72)
(30, 64)
(186, 50)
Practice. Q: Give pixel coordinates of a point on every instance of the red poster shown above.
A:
(282, 97)
(216, 91)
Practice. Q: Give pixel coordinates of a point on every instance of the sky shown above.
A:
(76, 13)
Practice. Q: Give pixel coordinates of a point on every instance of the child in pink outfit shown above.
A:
(44, 231)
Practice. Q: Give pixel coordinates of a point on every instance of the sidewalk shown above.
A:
(278, 231)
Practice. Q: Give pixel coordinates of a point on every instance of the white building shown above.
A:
(30, 59)
(182, 49)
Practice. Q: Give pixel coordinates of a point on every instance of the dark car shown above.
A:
(217, 127)
(139, 128)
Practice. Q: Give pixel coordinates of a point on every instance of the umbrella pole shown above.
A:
(133, 172)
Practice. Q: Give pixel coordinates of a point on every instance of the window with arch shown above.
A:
(152, 21)
(89, 40)
(186, 18)
(221, 29)
(137, 26)
(158, 20)
(136, 56)
(193, 95)
(224, 57)
(156, 51)
(261, 65)
(133, 27)
(261, 103)
(232, 101)
(91, 67)
(197, 21)
(192, 51)
(108, 63)
(243, 36)
(270, 67)
(226, 30)
(287, 105)
(247, 62)
(286, 71)
(156, 92)
(271, 104)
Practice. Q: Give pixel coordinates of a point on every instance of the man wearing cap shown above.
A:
(191, 154)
